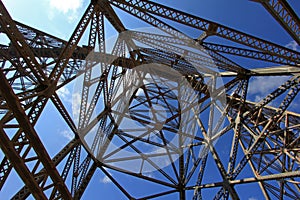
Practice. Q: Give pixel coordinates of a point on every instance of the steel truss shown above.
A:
(263, 140)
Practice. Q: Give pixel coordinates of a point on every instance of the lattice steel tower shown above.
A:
(161, 114)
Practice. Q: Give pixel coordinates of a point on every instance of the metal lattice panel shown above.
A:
(154, 107)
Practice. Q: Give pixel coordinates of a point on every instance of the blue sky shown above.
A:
(59, 18)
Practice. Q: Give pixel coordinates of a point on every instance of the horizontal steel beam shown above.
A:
(279, 176)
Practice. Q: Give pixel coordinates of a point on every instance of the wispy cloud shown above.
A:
(105, 180)
(149, 174)
(293, 45)
(262, 86)
(76, 102)
(65, 94)
(67, 134)
(67, 7)
(252, 198)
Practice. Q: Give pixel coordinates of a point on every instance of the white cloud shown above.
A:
(260, 87)
(76, 102)
(252, 198)
(67, 134)
(258, 98)
(265, 85)
(67, 7)
(292, 45)
(65, 94)
(149, 174)
(105, 180)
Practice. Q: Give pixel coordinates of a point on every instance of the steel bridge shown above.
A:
(213, 138)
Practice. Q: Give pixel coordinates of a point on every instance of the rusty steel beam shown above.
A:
(284, 15)
(208, 26)
(23, 120)
(262, 137)
(259, 55)
(72, 44)
(249, 180)
(17, 39)
(19, 165)
(24, 192)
